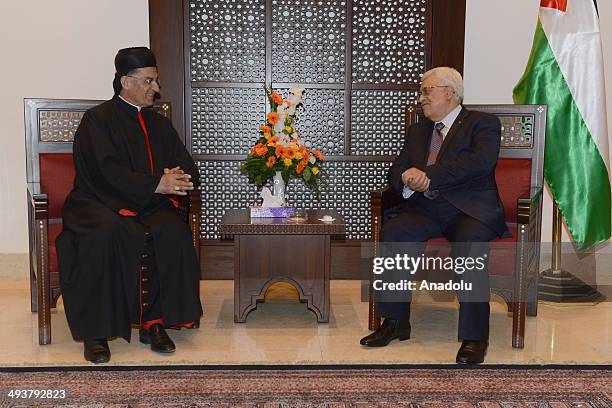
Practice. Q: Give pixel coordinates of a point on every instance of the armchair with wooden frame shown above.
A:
(513, 265)
(50, 127)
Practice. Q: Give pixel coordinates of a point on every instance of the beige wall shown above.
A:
(65, 48)
(53, 49)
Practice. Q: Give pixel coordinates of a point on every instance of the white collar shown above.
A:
(129, 103)
(449, 119)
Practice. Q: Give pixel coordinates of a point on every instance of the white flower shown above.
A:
(284, 140)
(297, 90)
(282, 116)
(280, 125)
(294, 101)
(312, 160)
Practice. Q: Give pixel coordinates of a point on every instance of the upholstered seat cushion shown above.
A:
(513, 182)
(56, 180)
(502, 259)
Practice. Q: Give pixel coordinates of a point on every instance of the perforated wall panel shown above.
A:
(226, 120)
(388, 41)
(321, 120)
(308, 44)
(349, 193)
(308, 41)
(377, 126)
(228, 40)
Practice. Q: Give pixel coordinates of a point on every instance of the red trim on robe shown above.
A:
(127, 213)
(146, 135)
(174, 202)
(147, 325)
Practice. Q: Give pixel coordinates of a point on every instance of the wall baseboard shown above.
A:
(14, 265)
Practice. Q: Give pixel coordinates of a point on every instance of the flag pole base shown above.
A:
(561, 288)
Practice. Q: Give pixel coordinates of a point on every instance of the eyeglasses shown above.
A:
(147, 80)
(427, 90)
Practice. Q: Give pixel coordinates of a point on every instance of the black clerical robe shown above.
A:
(100, 248)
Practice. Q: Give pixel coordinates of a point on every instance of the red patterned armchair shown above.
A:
(50, 127)
(514, 261)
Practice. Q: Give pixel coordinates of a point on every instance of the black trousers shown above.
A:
(468, 237)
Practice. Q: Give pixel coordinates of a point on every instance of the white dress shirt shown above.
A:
(448, 121)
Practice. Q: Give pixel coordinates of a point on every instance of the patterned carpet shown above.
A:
(329, 387)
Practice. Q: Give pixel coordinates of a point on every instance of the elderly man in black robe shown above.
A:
(125, 254)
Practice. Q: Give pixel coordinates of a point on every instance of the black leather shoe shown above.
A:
(389, 330)
(157, 337)
(472, 351)
(96, 351)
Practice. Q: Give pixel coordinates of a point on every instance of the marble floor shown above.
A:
(283, 331)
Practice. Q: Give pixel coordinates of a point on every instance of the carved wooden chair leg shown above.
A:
(518, 325)
(373, 321)
(43, 287)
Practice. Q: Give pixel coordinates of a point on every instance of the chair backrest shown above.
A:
(519, 171)
(50, 127)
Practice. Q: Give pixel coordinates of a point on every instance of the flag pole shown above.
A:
(559, 286)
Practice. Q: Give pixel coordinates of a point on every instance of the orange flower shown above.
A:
(260, 149)
(273, 117)
(291, 153)
(279, 151)
(265, 129)
(271, 161)
(300, 167)
(272, 141)
(318, 155)
(276, 98)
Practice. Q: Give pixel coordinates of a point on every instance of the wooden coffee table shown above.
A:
(269, 250)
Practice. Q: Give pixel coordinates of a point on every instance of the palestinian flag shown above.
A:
(565, 72)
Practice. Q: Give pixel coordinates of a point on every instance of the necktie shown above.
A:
(146, 135)
(436, 143)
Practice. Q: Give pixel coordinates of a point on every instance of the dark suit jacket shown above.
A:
(464, 172)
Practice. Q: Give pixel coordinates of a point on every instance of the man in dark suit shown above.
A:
(446, 173)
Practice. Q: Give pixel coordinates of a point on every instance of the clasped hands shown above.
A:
(416, 179)
(174, 181)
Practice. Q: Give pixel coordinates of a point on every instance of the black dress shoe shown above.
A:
(390, 329)
(157, 337)
(472, 351)
(96, 351)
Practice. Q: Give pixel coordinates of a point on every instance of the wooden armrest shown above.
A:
(385, 198)
(195, 201)
(195, 209)
(527, 206)
(38, 201)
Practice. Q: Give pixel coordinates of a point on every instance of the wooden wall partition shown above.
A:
(360, 61)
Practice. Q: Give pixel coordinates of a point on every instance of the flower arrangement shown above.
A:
(279, 148)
